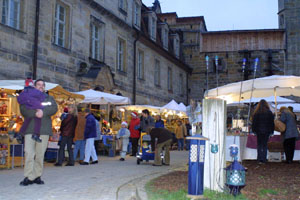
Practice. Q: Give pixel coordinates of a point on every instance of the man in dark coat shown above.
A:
(164, 140)
(90, 134)
(35, 151)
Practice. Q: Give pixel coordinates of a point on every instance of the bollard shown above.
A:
(196, 166)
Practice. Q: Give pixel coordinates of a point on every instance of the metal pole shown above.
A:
(207, 64)
(217, 73)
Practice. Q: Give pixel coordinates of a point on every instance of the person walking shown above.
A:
(159, 123)
(188, 131)
(124, 135)
(79, 135)
(180, 133)
(35, 151)
(161, 138)
(263, 127)
(90, 134)
(291, 133)
(67, 128)
(146, 121)
(134, 132)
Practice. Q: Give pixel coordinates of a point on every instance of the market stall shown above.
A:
(269, 88)
(11, 151)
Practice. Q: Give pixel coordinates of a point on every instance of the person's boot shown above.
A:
(26, 182)
(36, 138)
(38, 181)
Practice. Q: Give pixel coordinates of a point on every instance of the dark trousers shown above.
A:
(61, 152)
(289, 148)
(262, 147)
(134, 143)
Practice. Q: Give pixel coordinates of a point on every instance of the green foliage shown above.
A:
(263, 192)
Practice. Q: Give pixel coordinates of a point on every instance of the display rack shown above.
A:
(5, 114)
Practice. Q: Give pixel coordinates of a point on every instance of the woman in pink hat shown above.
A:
(134, 132)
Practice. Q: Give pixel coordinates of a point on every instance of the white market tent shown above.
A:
(182, 107)
(268, 99)
(296, 106)
(155, 109)
(260, 87)
(101, 98)
(172, 105)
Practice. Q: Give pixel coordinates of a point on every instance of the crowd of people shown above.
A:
(81, 128)
(263, 126)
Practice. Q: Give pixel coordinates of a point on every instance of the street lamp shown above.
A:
(235, 173)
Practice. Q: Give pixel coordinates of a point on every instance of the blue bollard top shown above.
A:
(197, 137)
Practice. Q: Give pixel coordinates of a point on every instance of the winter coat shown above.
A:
(79, 131)
(125, 138)
(291, 130)
(133, 128)
(50, 108)
(161, 134)
(90, 127)
(263, 123)
(159, 124)
(32, 98)
(180, 131)
(147, 122)
(68, 126)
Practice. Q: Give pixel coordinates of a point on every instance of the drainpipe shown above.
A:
(36, 39)
(134, 68)
(187, 89)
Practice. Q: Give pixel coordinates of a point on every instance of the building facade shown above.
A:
(117, 46)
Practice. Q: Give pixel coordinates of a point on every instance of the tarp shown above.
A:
(182, 107)
(140, 108)
(172, 105)
(54, 89)
(96, 97)
(268, 99)
(262, 87)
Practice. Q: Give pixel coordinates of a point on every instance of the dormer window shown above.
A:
(152, 25)
(123, 6)
(164, 30)
(176, 45)
(137, 15)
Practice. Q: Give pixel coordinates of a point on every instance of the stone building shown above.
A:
(230, 47)
(117, 46)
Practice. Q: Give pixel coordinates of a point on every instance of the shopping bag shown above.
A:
(279, 125)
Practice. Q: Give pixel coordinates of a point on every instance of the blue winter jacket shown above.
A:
(159, 124)
(90, 127)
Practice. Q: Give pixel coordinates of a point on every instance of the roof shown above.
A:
(94, 71)
(244, 31)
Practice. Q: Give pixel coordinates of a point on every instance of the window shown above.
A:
(165, 38)
(170, 82)
(11, 13)
(96, 39)
(152, 27)
(121, 55)
(61, 25)
(95, 54)
(123, 5)
(177, 48)
(180, 84)
(136, 15)
(140, 65)
(157, 73)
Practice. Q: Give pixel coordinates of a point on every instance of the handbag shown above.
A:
(279, 126)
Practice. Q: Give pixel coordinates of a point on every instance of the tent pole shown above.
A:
(275, 96)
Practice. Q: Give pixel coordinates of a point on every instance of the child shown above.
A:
(65, 114)
(124, 134)
(32, 99)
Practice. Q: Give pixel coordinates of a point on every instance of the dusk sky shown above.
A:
(226, 15)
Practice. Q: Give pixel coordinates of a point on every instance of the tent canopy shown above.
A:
(100, 98)
(268, 99)
(54, 89)
(296, 106)
(182, 107)
(172, 105)
(262, 87)
(140, 108)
